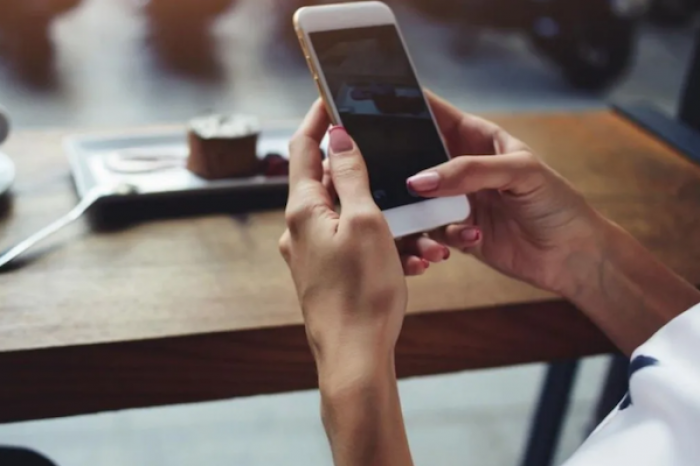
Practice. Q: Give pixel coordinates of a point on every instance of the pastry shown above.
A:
(223, 146)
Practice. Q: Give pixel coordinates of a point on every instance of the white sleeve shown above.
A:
(658, 422)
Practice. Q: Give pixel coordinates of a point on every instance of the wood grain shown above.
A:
(87, 379)
(186, 288)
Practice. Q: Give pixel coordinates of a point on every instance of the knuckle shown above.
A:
(507, 143)
(533, 170)
(530, 161)
(298, 214)
(298, 143)
(294, 217)
(367, 221)
(284, 245)
(465, 166)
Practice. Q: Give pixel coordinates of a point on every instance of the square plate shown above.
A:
(90, 155)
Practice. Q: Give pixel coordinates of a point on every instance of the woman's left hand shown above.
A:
(346, 267)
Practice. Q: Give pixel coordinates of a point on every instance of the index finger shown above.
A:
(305, 161)
(467, 134)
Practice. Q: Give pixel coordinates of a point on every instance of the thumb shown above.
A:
(518, 173)
(348, 171)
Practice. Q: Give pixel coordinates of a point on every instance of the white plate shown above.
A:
(7, 173)
(89, 157)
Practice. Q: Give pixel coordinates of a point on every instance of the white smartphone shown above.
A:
(367, 80)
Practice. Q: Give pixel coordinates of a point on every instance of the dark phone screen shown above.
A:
(382, 107)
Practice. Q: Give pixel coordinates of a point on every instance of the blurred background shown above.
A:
(128, 63)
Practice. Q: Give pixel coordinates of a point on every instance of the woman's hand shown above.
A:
(346, 268)
(527, 221)
(417, 251)
(530, 223)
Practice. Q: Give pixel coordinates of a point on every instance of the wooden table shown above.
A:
(191, 309)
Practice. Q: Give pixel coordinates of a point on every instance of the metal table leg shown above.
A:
(550, 414)
(615, 388)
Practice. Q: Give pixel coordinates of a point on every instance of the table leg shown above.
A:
(550, 413)
(616, 386)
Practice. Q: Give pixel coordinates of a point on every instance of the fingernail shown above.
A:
(426, 264)
(340, 140)
(470, 235)
(446, 253)
(424, 181)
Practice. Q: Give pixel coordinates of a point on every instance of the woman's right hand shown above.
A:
(527, 221)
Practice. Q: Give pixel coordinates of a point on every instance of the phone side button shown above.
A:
(323, 98)
(319, 87)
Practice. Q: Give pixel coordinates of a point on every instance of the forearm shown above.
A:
(627, 292)
(362, 415)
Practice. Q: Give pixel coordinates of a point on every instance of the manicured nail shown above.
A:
(423, 182)
(340, 140)
(445, 253)
(470, 235)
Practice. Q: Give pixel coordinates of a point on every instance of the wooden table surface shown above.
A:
(202, 307)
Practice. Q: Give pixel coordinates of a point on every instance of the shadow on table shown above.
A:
(122, 214)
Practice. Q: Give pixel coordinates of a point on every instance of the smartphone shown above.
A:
(368, 83)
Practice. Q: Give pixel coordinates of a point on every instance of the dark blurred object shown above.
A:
(275, 165)
(14, 456)
(592, 41)
(187, 11)
(180, 32)
(25, 37)
(683, 132)
(690, 104)
(673, 12)
(118, 214)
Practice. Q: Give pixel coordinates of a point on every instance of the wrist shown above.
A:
(356, 397)
(361, 413)
(352, 373)
(583, 265)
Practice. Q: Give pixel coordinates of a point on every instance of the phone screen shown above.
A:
(381, 105)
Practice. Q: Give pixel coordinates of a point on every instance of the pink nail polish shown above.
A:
(339, 140)
(470, 235)
(446, 254)
(423, 182)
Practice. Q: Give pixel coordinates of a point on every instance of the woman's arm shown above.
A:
(362, 415)
(624, 289)
(350, 281)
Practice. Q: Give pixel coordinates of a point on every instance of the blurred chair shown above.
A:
(25, 38)
(591, 41)
(673, 12)
(179, 33)
(683, 131)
